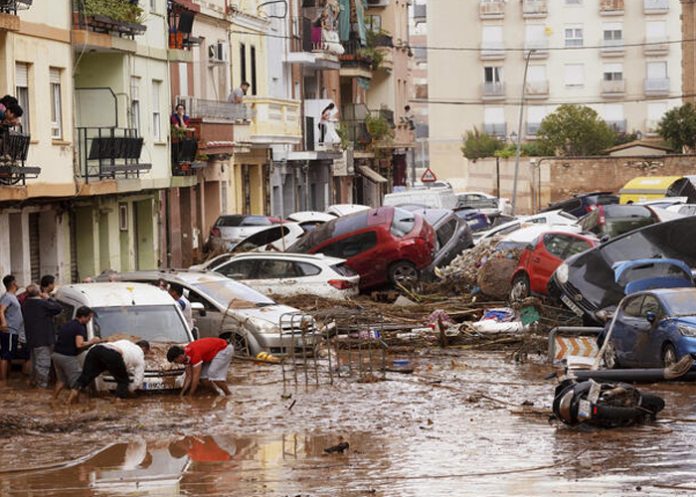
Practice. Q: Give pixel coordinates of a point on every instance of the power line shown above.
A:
(531, 102)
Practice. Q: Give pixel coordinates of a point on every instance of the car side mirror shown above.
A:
(651, 316)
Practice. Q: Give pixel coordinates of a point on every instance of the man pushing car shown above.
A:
(206, 360)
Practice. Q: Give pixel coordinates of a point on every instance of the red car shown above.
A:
(385, 245)
(540, 259)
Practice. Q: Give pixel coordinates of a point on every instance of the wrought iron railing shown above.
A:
(216, 109)
(14, 148)
(105, 153)
(103, 23)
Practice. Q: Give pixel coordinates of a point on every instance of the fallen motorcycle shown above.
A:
(605, 405)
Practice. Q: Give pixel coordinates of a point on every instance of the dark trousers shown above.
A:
(100, 359)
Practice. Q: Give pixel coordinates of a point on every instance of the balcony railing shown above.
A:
(109, 153)
(537, 89)
(612, 47)
(617, 125)
(14, 148)
(124, 27)
(495, 129)
(12, 6)
(180, 17)
(613, 88)
(184, 150)
(493, 90)
(657, 86)
(306, 37)
(611, 7)
(216, 110)
(420, 13)
(491, 50)
(275, 120)
(353, 122)
(534, 8)
(656, 45)
(655, 6)
(492, 9)
(354, 56)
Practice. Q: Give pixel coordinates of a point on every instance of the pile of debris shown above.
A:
(485, 269)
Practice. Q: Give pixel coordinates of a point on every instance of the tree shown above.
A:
(478, 145)
(678, 127)
(574, 130)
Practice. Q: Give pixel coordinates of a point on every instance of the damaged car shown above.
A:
(230, 229)
(609, 221)
(586, 282)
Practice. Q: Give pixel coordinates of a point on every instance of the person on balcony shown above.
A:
(238, 94)
(180, 120)
(10, 111)
(327, 126)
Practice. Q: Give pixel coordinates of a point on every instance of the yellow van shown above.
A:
(644, 188)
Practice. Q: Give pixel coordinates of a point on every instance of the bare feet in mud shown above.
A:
(74, 396)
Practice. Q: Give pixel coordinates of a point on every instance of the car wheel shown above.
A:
(244, 345)
(403, 272)
(669, 355)
(520, 288)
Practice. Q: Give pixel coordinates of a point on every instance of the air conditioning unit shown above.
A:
(217, 52)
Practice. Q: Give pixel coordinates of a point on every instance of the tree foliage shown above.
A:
(478, 145)
(678, 127)
(574, 130)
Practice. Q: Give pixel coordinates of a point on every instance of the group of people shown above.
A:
(181, 121)
(28, 332)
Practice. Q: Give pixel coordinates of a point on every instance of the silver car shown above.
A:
(230, 229)
(224, 308)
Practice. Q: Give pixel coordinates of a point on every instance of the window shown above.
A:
(492, 37)
(493, 115)
(655, 31)
(403, 223)
(573, 36)
(556, 245)
(135, 104)
(657, 70)
(273, 269)
(252, 56)
(650, 304)
(307, 269)
(536, 74)
(535, 36)
(351, 246)
(374, 23)
(576, 246)
(56, 104)
(22, 93)
(446, 232)
(613, 33)
(242, 63)
(574, 75)
(239, 270)
(493, 74)
(656, 110)
(156, 117)
(613, 72)
(535, 114)
(123, 217)
(632, 307)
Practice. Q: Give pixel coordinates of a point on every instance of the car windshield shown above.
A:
(681, 303)
(155, 323)
(228, 293)
(403, 222)
(233, 221)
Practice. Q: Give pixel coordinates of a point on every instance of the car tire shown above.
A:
(244, 345)
(520, 288)
(669, 355)
(403, 272)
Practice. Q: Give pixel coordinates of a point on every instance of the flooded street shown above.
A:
(441, 431)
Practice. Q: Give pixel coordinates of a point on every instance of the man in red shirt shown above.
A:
(207, 360)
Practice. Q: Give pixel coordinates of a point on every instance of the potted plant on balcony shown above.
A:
(380, 130)
(116, 16)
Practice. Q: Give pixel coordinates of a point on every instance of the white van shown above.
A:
(432, 198)
(133, 309)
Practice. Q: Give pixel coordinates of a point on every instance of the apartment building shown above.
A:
(618, 57)
(419, 42)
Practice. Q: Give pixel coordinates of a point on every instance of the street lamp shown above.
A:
(519, 132)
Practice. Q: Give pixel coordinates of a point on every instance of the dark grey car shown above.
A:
(453, 235)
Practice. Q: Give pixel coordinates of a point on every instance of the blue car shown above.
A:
(653, 329)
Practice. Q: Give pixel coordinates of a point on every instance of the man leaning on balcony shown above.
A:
(238, 94)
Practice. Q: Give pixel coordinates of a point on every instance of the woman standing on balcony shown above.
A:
(327, 125)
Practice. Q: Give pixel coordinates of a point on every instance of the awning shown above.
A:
(371, 174)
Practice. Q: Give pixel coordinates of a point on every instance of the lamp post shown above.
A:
(519, 132)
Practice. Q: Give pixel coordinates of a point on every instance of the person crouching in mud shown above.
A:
(119, 358)
(207, 360)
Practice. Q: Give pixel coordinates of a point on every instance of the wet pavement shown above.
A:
(444, 430)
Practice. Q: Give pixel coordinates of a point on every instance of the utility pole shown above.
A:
(519, 132)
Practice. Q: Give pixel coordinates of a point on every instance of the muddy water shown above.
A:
(434, 433)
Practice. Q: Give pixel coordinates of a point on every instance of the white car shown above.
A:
(683, 209)
(557, 217)
(309, 220)
(290, 274)
(528, 234)
(277, 237)
(232, 228)
(488, 204)
(339, 210)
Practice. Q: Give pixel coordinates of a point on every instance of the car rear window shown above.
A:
(403, 223)
(351, 246)
(256, 221)
(343, 269)
(332, 229)
(229, 221)
(626, 211)
(446, 232)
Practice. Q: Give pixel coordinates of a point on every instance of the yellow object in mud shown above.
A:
(264, 356)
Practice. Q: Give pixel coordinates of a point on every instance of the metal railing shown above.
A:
(656, 86)
(492, 49)
(534, 8)
(655, 6)
(533, 128)
(491, 8)
(613, 87)
(493, 89)
(216, 109)
(102, 23)
(14, 148)
(612, 46)
(611, 6)
(656, 44)
(105, 153)
(353, 122)
(12, 6)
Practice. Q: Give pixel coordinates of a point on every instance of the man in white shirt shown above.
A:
(119, 358)
(177, 293)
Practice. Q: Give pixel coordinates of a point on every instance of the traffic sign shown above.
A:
(428, 176)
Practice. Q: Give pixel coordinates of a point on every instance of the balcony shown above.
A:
(532, 129)
(492, 91)
(14, 148)
(93, 29)
(274, 121)
(495, 129)
(611, 7)
(534, 9)
(492, 9)
(180, 18)
(612, 48)
(312, 46)
(655, 6)
(539, 46)
(492, 50)
(354, 117)
(613, 88)
(657, 87)
(656, 46)
(617, 125)
(109, 153)
(356, 61)
(420, 13)
(537, 89)
(8, 13)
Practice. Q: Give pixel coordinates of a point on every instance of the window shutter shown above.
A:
(54, 76)
(22, 74)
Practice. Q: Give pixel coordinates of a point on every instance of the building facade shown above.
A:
(615, 56)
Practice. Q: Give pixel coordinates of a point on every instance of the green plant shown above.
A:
(678, 127)
(373, 56)
(379, 128)
(478, 145)
(342, 133)
(118, 10)
(574, 130)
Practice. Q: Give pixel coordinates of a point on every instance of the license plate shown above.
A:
(584, 410)
(153, 385)
(571, 305)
